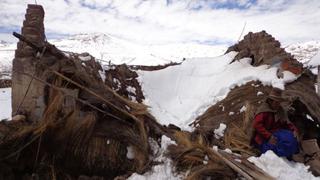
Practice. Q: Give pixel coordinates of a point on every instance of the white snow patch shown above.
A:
(222, 107)
(161, 171)
(117, 82)
(102, 75)
(309, 117)
(85, 58)
(315, 60)
(259, 93)
(303, 52)
(179, 94)
(215, 148)
(231, 113)
(243, 109)
(133, 98)
(227, 150)
(219, 133)
(130, 152)
(281, 168)
(206, 159)
(131, 89)
(5, 101)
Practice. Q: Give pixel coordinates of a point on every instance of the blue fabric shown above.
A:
(286, 145)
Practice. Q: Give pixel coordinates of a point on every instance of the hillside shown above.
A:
(118, 51)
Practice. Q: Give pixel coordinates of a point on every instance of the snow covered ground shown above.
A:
(162, 171)
(303, 52)
(5, 102)
(119, 51)
(281, 168)
(179, 94)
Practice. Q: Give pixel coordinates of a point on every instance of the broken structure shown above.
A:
(77, 121)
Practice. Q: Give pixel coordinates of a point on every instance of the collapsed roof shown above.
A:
(84, 121)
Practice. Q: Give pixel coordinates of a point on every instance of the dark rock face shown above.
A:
(25, 62)
(262, 48)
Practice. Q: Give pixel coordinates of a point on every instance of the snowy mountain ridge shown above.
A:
(303, 52)
(118, 51)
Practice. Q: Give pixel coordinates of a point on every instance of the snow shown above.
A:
(206, 159)
(102, 75)
(231, 113)
(179, 94)
(215, 148)
(315, 61)
(281, 168)
(85, 58)
(6, 57)
(162, 171)
(130, 152)
(259, 93)
(303, 52)
(5, 101)
(131, 89)
(110, 48)
(227, 150)
(219, 133)
(107, 48)
(243, 109)
(309, 117)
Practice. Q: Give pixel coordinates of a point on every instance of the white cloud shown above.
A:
(155, 21)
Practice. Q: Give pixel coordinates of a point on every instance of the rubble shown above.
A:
(76, 119)
(76, 126)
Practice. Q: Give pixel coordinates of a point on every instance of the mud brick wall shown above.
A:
(265, 49)
(25, 62)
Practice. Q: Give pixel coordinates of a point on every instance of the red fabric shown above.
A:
(265, 125)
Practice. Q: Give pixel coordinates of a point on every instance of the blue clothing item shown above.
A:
(286, 145)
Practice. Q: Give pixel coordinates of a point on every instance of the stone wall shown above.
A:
(25, 62)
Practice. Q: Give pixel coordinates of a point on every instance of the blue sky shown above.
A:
(171, 21)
